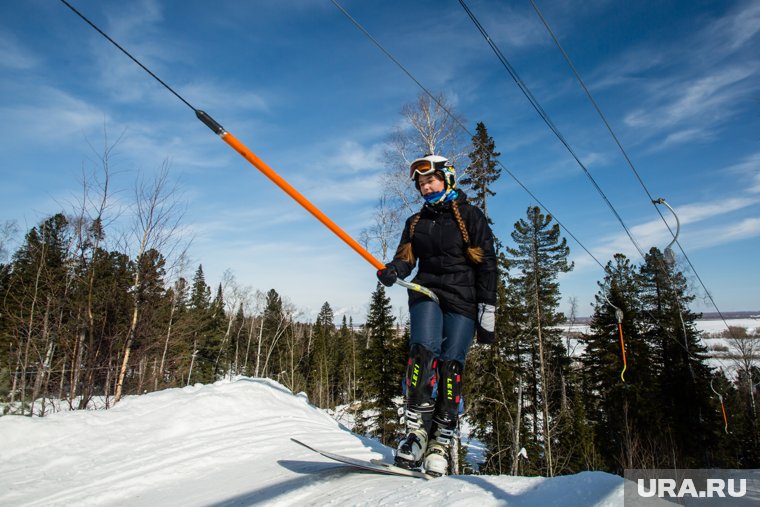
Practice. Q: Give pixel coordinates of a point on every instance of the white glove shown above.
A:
(486, 322)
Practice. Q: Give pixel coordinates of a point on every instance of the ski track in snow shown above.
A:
(228, 444)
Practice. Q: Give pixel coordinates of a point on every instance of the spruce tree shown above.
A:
(482, 171)
(36, 293)
(539, 256)
(692, 416)
(344, 364)
(201, 338)
(322, 359)
(382, 369)
(273, 351)
(622, 407)
(492, 391)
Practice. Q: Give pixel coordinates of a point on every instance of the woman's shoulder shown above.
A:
(469, 209)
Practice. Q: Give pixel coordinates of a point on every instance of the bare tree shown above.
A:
(8, 229)
(746, 357)
(429, 126)
(385, 229)
(91, 216)
(157, 217)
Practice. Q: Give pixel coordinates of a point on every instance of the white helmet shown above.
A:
(432, 163)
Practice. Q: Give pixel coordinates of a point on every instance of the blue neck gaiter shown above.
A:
(441, 197)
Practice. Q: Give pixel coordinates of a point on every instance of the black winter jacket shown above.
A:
(444, 268)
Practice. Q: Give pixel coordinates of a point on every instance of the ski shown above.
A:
(373, 465)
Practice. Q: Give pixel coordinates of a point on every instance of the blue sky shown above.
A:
(308, 93)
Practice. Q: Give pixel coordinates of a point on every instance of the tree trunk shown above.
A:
(544, 386)
(516, 433)
(128, 346)
(166, 343)
(258, 350)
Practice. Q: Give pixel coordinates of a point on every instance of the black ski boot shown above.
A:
(419, 383)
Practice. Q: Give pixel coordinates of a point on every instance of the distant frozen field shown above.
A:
(706, 326)
(722, 351)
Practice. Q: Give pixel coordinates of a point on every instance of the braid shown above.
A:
(413, 225)
(460, 222)
(404, 251)
(475, 254)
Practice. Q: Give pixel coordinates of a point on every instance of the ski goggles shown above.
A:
(425, 167)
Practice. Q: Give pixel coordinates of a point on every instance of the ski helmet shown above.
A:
(430, 164)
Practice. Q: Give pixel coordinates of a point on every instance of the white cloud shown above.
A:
(737, 28)
(686, 90)
(750, 167)
(54, 115)
(694, 101)
(13, 55)
(655, 233)
(726, 233)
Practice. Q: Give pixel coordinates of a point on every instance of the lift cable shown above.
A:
(625, 155)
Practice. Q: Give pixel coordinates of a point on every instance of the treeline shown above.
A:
(79, 322)
(546, 404)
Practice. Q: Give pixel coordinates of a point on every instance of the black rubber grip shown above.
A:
(209, 122)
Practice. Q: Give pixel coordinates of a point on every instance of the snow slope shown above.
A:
(229, 444)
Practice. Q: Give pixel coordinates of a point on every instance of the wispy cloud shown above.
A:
(726, 233)
(748, 167)
(54, 116)
(654, 232)
(687, 90)
(15, 56)
(694, 99)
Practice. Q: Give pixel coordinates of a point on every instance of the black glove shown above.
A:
(387, 276)
(486, 322)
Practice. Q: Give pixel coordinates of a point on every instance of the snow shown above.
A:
(706, 326)
(228, 444)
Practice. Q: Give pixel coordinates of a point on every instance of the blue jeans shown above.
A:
(447, 335)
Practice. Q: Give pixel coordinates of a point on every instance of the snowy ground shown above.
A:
(229, 444)
(722, 351)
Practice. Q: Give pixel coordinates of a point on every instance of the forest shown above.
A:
(88, 314)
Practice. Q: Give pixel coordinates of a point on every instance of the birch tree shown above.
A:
(157, 217)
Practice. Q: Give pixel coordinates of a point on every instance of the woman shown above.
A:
(452, 245)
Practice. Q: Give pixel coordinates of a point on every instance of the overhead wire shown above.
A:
(461, 125)
(374, 40)
(545, 117)
(146, 69)
(628, 160)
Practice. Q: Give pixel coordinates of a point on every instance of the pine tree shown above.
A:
(692, 417)
(540, 256)
(382, 368)
(483, 171)
(203, 335)
(622, 406)
(323, 358)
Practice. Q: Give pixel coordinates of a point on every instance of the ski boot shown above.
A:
(445, 418)
(438, 452)
(412, 447)
(419, 384)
